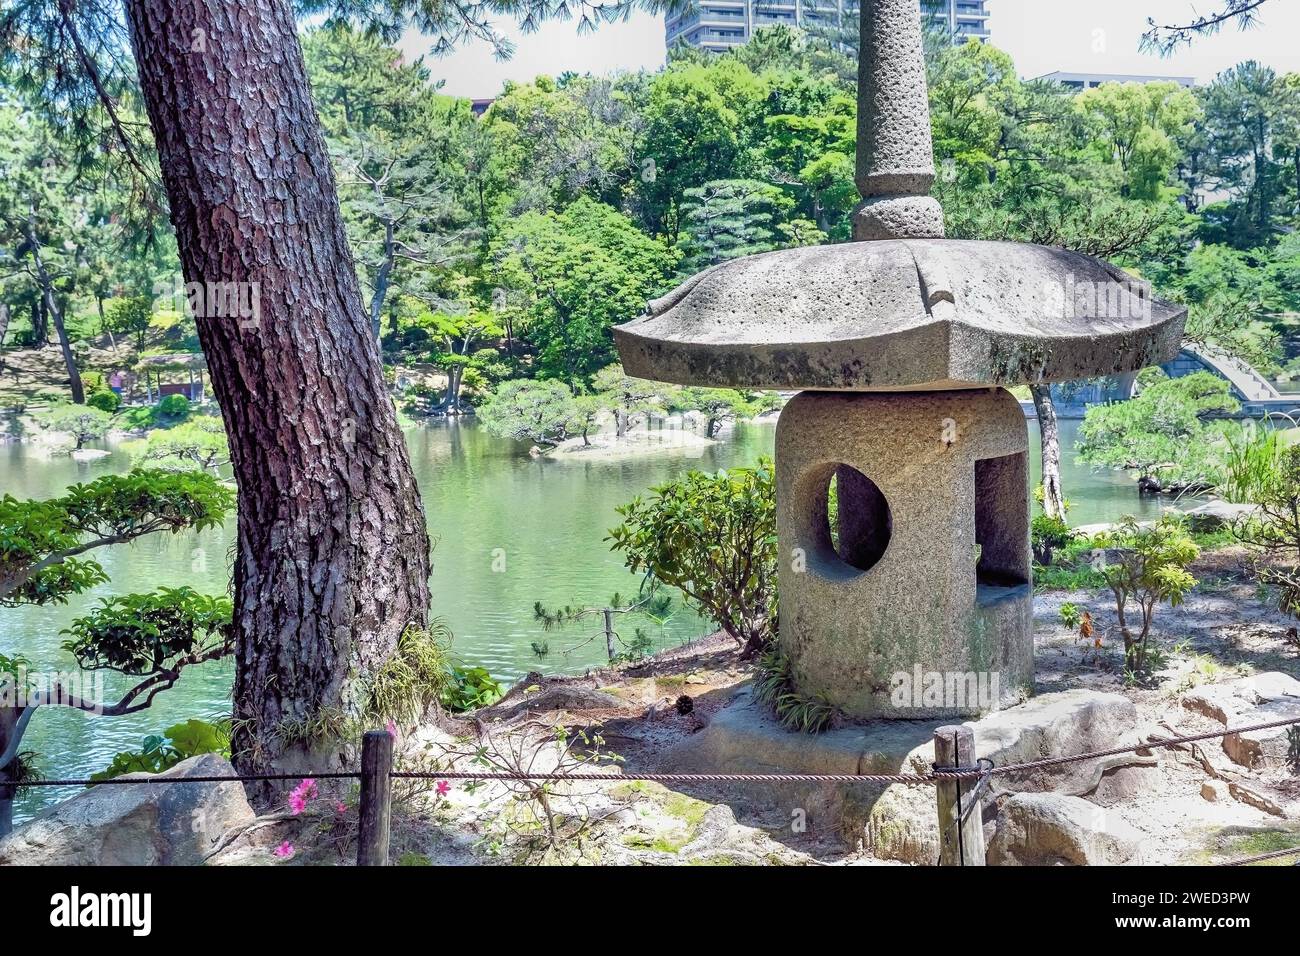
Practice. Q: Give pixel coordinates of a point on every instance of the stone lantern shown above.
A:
(900, 344)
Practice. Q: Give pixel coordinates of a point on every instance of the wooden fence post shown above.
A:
(376, 798)
(961, 821)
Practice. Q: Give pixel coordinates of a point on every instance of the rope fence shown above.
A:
(955, 742)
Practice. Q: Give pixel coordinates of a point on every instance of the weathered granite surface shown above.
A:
(935, 474)
(136, 825)
(895, 162)
(899, 821)
(896, 315)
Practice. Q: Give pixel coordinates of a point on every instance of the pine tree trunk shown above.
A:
(40, 324)
(53, 310)
(1050, 439)
(333, 554)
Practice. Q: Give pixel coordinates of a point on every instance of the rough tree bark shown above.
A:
(1050, 438)
(333, 553)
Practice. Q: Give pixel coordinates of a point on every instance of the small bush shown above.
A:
(162, 752)
(1046, 536)
(1151, 569)
(105, 400)
(175, 407)
(713, 537)
(80, 421)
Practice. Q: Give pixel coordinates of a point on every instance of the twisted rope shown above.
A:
(937, 775)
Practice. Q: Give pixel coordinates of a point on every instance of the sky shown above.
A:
(1041, 35)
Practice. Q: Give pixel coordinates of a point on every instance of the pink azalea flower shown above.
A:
(391, 727)
(341, 807)
(443, 788)
(301, 795)
(284, 850)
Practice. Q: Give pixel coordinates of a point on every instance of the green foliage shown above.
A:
(416, 677)
(1046, 535)
(568, 277)
(130, 316)
(470, 689)
(140, 634)
(627, 397)
(718, 405)
(159, 752)
(1078, 577)
(728, 218)
(174, 407)
(83, 422)
(650, 604)
(1249, 462)
(1273, 532)
(774, 686)
(1151, 568)
(713, 537)
(637, 649)
(197, 443)
(1162, 433)
(1139, 126)
(542, 412)
(40, 541)
(106, 400)
(1071, 615)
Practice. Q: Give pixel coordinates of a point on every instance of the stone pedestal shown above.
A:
(918, 602)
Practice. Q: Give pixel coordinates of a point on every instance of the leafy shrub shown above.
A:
(82, 422)
(1162, 434)
(543, 412)
(105, 400)
(1274, 532)
(1046, 535)
(713, 537)
(174, 407)
(197, 443)
(470, 689)
(130, 316)
(1150, 569)
(162, 752)
(140, 634)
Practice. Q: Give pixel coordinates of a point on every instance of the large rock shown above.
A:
(1052, 829)
(1228, 701)
(1216, 514)
(136, 824)
(899, 821)
(1259, 699)
(1273, 748)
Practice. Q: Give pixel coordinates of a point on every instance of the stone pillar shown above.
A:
(895, 161)
(927, 571)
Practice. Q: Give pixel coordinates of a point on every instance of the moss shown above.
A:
(1236, 846)
(687, 809)
(630, 790)
(660, 843)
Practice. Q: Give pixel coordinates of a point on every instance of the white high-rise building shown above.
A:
(719, 25)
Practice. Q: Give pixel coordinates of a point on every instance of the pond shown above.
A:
(509, 530)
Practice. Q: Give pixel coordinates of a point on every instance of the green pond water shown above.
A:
(485, 500)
